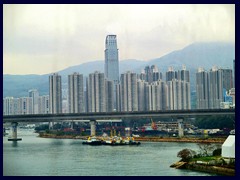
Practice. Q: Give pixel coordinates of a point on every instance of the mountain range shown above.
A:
(202, 54)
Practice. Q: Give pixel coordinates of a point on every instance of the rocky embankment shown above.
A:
(204, 168)
(183, 139)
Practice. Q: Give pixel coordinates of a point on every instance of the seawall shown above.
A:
(211, 169)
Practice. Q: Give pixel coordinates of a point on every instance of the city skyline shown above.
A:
(54, 37)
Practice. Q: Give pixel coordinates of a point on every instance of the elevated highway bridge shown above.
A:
(110, 116)
(116, 115)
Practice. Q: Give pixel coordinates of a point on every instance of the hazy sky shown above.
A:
(40, 39)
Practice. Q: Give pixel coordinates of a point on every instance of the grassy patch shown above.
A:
(206, 159)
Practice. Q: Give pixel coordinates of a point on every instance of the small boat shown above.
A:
(92, 141)
(131, 141)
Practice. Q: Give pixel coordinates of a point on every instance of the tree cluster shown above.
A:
(215, 122)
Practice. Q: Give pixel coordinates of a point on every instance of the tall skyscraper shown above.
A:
(96, 92)
(111, 59)
(34, 94)
(55, 93)
(75, 93)
(129, 96)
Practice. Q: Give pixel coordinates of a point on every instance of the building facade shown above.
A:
(34, 94)
(109, 87)
(227, 77)
(129, 93)
(209, 88)
(202, 89)
(25, 105)
(75, 93)
(111, 65)
(96, 92)
(55, 93)
(44, 104)
(215, 88)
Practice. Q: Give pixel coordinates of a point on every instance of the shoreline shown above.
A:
(148, 139)
(204, 168)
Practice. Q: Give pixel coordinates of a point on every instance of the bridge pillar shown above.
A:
(180, 127)
(72, 125)
(50, 125)
(14, 133)
(93, 127)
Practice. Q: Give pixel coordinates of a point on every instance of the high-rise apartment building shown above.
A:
(34, 94)
(227, 78)
(55, 93)
(179, 94)
(25, 105)
(209, 88)
(215, 88)
(8, 106)
(109, 87)
(118, 97)
(96, 92)
(171, 74)
(202, 89)
(129, 96)
(173, 94)
(163, 88)
(153, 94)
(151, 74)
(183, 74)
(111, 59)
(141, 95)
(44, 104)
(75, 93)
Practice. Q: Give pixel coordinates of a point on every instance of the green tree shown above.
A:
(186, 154)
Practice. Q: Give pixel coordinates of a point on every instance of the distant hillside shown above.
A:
(199, 55)
(18, 85)
(90, 67)
(193, 56)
